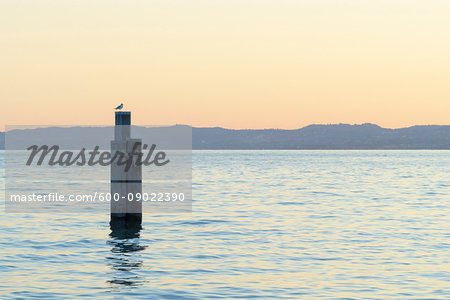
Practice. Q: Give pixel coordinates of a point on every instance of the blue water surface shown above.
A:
(264, 224)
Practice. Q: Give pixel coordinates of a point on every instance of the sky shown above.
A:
(229, 63)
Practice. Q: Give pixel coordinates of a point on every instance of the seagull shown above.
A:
(120, 106)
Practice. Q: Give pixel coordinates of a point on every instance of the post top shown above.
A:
(123, 118)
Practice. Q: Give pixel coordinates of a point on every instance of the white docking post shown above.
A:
(126, 184)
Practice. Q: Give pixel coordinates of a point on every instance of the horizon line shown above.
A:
(28, 127)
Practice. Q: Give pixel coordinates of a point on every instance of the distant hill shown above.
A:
(338, 136)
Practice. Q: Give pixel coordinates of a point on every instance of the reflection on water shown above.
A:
(125, 260)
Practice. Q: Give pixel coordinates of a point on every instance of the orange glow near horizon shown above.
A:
(234, 63)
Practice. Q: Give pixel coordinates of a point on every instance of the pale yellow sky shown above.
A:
(230, 63)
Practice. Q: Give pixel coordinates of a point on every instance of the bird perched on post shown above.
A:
(119, 107)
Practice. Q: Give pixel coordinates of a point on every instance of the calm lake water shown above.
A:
(268, 224)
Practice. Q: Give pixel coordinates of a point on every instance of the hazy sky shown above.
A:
(230, 63)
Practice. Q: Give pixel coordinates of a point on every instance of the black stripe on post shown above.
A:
(123, 118)
(126, 181)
